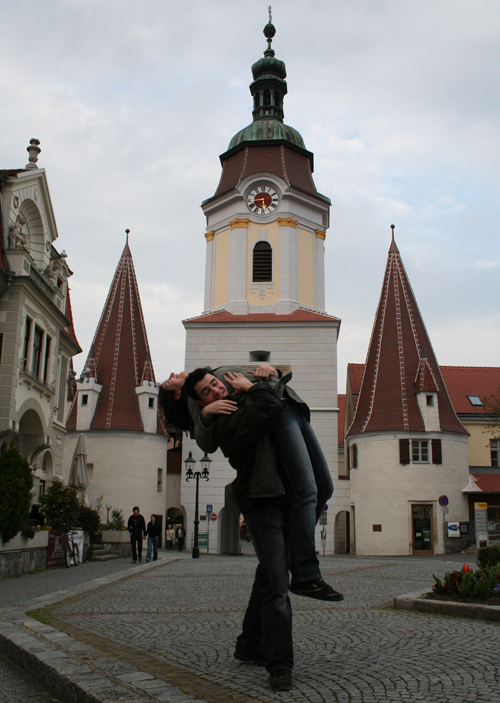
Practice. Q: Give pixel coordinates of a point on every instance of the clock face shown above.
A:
(262, 200)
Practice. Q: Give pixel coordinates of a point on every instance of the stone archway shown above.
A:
(228, 536)
(31, 434)
(342, 532)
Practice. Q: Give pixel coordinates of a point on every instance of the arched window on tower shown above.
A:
(262, 263)
(277, 99)
(267, 97)
(256, 101)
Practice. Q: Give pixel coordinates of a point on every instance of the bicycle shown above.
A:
(72, 553)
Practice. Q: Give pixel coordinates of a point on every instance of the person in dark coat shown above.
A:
(137, 528)
(153, 533)
(180, 534)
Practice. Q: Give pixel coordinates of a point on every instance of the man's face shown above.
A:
(175, 383)
(136, 512)
(210, 389)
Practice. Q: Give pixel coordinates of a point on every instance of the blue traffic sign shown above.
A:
(443, 501)
(209, 509)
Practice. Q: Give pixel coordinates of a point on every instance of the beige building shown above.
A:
(264, 284)
(37, 338)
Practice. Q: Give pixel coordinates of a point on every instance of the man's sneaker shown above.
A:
(147, 560)
(281, 680)
(316, 588)
(249, 658)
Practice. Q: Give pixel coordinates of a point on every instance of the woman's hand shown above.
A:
(220, 407)
(238, 382)
(264, 371)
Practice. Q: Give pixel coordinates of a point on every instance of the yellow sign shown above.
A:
(481, 506)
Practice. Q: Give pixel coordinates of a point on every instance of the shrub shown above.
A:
(16, 482)
(88, 520)
(488, 556)
(117, 519)
(60, 505)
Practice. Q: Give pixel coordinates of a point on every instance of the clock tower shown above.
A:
(266, 215)
(264, 280)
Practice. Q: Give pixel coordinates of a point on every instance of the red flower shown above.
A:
(466, 568)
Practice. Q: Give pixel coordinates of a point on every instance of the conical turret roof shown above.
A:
(119, 358)
(400, 363)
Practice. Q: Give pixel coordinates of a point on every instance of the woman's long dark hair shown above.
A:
(175, 412)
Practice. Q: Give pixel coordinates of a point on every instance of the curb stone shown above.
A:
(416, 603)
(74, 671)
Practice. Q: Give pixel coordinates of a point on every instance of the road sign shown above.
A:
(481, 506)
(213, 517)
(209, 509)
(325, 507)
(443, 501)
(445, 511)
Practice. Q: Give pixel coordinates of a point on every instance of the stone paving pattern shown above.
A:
(179, 621)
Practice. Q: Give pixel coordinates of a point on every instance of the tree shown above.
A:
(16, 482)
(88, 519)
(117, 519)
(60, 505)
(491, 412)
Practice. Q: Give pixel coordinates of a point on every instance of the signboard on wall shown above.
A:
(453, 529)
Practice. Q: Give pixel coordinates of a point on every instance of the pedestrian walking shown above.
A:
(180, 534)
(153, 533)
(137, 528)
(170, 537)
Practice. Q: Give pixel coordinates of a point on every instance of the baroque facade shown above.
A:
(37, 337)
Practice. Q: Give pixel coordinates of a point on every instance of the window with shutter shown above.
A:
(404, 451)
(262, 263)
(437, 457)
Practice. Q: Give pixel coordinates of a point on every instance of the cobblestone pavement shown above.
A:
(180, 622)
(17, 687)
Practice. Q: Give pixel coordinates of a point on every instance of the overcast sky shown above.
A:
(400, 102)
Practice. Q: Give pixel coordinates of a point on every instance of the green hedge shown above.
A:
(488, 556)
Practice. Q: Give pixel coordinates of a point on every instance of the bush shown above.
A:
(16, 482)
(117, 519)
(88, 519)
(60, 505)
(488, 556)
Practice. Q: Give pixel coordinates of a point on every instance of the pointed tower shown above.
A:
(264, 280)
(116, 404)
(406, 445)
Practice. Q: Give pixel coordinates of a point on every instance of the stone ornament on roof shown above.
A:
(33, 150)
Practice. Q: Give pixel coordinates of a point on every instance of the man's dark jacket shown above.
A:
(136, 525)
(244, 439)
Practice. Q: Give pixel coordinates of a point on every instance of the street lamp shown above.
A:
(108, 508)
(190, 474)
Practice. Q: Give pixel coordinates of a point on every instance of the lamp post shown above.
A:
(190, 474)
(108, 508)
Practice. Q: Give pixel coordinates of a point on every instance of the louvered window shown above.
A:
(262, 262)
(437, 457)
(404, 451)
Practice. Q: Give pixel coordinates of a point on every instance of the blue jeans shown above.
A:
(267, 625)
(300, 454)
(152, 544)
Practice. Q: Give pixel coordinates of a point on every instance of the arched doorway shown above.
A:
(31, 435)
(228, 536)
(342, 533)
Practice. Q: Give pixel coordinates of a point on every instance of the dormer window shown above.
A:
(151, 402)
(475, 400)
(85, 400)
(430, 400)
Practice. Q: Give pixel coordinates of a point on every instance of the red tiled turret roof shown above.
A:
(400, 359)
(119, 358)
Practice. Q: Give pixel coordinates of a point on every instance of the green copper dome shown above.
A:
(268, 90)
(266, 129)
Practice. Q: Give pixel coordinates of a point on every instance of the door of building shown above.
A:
(423, 533)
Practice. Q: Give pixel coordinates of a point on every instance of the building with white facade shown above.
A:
(37, 339)
(264, 283)
(115, 407)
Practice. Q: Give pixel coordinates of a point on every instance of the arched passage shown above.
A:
(342, 533)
